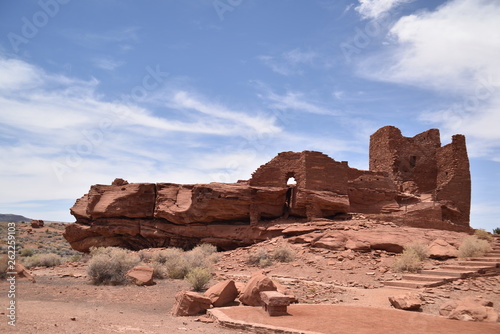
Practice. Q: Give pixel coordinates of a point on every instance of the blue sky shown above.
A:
(207, 91)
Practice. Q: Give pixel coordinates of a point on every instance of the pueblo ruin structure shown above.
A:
(412, 181)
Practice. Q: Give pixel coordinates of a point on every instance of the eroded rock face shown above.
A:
(469, 309)
(411, 181)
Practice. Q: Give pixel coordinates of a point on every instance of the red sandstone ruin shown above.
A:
(412, 181)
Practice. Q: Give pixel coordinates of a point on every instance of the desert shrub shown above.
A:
(43, 260)
(496, 230)
(483, 235)
(145, 255)
(409, 260)
(175, 263)
(159, 270)
(283, 254)
(109, 265)
(75, 258)
(472, 246)
(203, 256)
(260, 258)
(198, 278)
(4, 263)
(420, 249)
(27, 252)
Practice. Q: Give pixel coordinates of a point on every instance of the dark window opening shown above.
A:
(413, 161)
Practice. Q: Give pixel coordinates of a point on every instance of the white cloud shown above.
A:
(59, 135)
(296, 101)
(108, 63)
(452, 50)
(373, 9)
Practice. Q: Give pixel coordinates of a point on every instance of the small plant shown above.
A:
(43, 260)
(75, 258)
(483, 235)
(198, 278)
(496, 230)
(283, 254)
(409, 260)
(4, 263)
(109, 265)
(260, 258)
(27, 252)
(420, 249)
(472, 246)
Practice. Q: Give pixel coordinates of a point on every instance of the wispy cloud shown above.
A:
(108, 63)
(59, 133)
(296, 101)
(373, 9)
(461, 62)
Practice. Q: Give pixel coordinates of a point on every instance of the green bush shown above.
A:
(75, 258)
(483, 235)
(283, 254)
(496, 230)
(198, 278)
(260, 258)
(472, 246)
(109, 265)
(420, 249)
(409, 260)
(43, 260)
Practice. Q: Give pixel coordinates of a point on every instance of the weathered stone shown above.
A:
(274, 303)
(190, 303)
(37, 223)
(141, 275)
(258, 283)
(21, 272)
(223, 293)
(142, 215)
(469, 309)
(440, 249)
(410, 301)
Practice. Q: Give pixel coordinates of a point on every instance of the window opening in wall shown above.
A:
(291, 181)
(413, 160)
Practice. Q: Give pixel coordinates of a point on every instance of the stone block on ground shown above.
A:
(410, 301)
(274, 303)
(469, 309)
(222, 293)
(258, 283)
(190, 303)
(141, 275)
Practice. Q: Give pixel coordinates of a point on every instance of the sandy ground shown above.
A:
(63, 301)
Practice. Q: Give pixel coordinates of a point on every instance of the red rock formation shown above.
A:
(411, 181)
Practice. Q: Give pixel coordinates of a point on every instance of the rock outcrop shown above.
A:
(411, 182)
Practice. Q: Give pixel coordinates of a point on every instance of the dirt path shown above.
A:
(72, 305)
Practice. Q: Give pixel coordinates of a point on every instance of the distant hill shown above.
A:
(13, 218)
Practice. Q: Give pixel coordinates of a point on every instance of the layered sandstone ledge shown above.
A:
(412, 181)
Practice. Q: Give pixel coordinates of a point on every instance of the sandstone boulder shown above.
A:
(258, 283)
(223, 293)
(37, 223)
(410, 301)
(441, 249)
(21, 272)
(190, 303)
(141, 275)
(469, 309)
